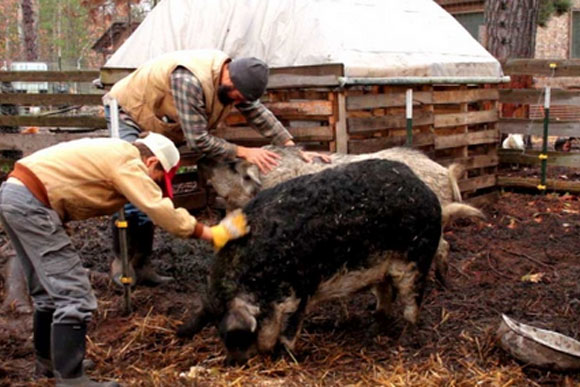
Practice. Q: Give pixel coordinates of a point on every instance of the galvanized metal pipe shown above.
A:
(544, 155)
(121, 222)
(360, 81)
(409, 114)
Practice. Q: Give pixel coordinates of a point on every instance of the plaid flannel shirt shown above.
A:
(190, 103)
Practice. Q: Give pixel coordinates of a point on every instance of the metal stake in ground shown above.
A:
(409, 111)
(544, 155)
(121, 222)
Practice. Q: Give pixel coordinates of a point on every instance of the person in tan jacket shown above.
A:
(184, 95)
(78, 180)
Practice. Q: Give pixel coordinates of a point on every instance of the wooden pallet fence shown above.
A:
(560, 99)
(453, 123)
(52, 103)
(564, 104)
(375, 117)
(308, 115)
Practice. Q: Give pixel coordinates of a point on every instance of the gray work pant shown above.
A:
(56, 279)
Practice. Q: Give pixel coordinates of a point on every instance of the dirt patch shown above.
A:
(342, 343)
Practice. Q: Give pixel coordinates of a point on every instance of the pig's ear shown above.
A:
(200, 317)
(241, 316)
(248, 171)
(254, 174)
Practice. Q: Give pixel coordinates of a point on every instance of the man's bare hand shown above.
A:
(309, 156)
(265, 160)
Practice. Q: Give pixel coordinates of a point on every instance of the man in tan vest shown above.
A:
(78, 180)
(184, 95)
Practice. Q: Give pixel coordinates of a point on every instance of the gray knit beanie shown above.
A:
(250, 77)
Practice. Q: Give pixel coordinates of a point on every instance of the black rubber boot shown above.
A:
(41, 328)
(68, 352)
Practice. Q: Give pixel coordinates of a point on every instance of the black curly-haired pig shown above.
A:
(370, 224)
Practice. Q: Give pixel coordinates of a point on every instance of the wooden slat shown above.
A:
(529, 96)
(478, 182)
(317, 133)
(530, 157)
(473, 138)
(52, 121)
(389, 121)
(29, 143)
(195, 200)
(464, 96)
(527, 182)
(300, 108)
(292, 110)
(469, 118)
(536, 128)
(372, 101)
(48, 76)
(51, 99)
(541, 67)
(376, 144)
(473, 162)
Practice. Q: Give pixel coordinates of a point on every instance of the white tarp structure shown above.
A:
(372, 38)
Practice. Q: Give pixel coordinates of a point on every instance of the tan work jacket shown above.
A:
(93, 177)
(145, 94)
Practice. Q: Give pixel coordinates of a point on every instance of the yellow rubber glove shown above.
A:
(233, 226)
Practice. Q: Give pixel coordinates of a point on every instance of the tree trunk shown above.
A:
(29, 26)
(511, 28)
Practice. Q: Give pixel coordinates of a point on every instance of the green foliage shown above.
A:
(551, 7)
(65, 28)
(562, 6)
(10, 42)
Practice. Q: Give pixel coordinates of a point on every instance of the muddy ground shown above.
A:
(341, 342)
(552, 172)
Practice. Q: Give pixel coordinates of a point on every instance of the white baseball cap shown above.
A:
(167, 154)
(163, 148)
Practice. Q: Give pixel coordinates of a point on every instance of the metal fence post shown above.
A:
(409, 115)
(544, 155)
